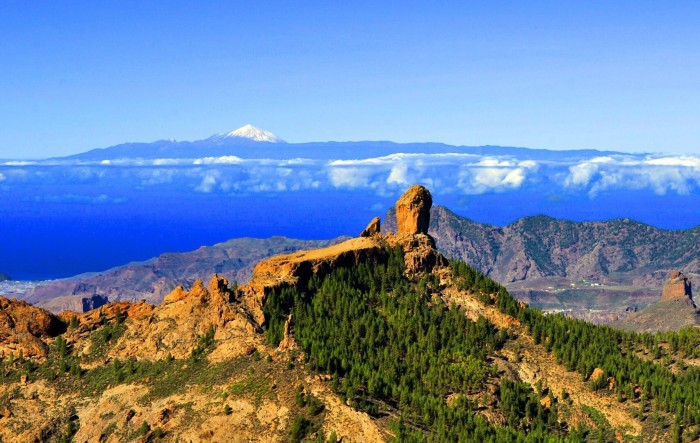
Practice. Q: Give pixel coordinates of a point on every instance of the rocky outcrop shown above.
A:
(152, 280)
(674, 311)
(175, 326)
(677, 287)
(297, 268)
(373, 228)
(23, 328)
(413, 211)
(538, 247)
(420, 255)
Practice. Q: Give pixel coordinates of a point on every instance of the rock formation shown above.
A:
(674, 311)
(4, 277)
(420, 255)
(373, 228)
(175, 326)
(23, 326)
(413, 211)
(677, 287)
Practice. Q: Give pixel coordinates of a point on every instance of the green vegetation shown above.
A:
(582, 347)
(104, 337)
(391, 345)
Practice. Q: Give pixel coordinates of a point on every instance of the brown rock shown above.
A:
(288, 341)
(677, 286)
(597, 374)
(546, 402)
(373, 228)
(177, 294)
(413, 211)
(94, 319)
(23, 326)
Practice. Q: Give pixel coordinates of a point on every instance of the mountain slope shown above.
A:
(154, 279)
(377, 338)
(674, 311)
(251, 142)
(535, 247)
(594, 270)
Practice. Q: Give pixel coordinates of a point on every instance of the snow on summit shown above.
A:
(252, 133)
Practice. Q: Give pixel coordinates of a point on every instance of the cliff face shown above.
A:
(23, 329)
(675, 310)
(678, 287)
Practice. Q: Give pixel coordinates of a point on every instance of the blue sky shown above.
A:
(607, 75)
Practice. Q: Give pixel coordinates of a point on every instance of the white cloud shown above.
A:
(166, 162)
(691, 162)
(208, 182)
(350, 177)
(18, 163)
(225, 160)
(444, 173)
(494, 175)
(659, 174)
(399, 175)
(580, 175)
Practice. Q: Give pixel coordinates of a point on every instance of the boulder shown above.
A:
(373, 228)
(413, 211)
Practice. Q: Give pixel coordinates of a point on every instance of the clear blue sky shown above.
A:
(609, 75)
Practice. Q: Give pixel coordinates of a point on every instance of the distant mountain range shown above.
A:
(538, 258)
(154, 279)
(251, 142)
(531, 248)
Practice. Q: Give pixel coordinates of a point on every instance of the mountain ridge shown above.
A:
(627, 273)
(378, 338)
(258, 143)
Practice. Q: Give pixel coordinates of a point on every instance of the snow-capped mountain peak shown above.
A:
(252, 133)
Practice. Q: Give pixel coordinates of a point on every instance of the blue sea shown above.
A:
(96, 229)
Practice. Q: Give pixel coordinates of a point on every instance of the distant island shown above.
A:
(4, 277)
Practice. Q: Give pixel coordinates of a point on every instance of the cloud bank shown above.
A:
(444, 173)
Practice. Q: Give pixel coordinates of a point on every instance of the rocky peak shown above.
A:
(678, 286)
(373, 228)
(420, 255)
(413, 211)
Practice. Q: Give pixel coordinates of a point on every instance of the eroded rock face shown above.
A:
(413, 211)
(22, 327)
(373, 228)
(677, 286)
